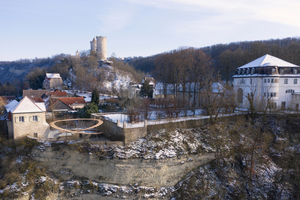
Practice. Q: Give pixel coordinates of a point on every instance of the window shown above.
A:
(265, 80)
(252, 71)
(264, 94)
(286, 81)
(272, 94)
(35, 118)
(268, 80)
(281, 71)
(295, 71)
(275, 94)
(295, 81)
(35, 135)
(240, 95)
(272, 80)
(242, 81)
(250, 80)
(21, 119)
(289, 91)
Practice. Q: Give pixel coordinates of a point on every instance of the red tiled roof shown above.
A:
(37, 99)
(58, 94)
(73, 100)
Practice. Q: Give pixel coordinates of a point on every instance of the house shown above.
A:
(134, 88)
(26, 118)
(150, 80)
(58, 94)
(273, 83)
(35, 93)
(52, 81)
(74, 102)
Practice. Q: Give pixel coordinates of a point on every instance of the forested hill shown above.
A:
(227, 57)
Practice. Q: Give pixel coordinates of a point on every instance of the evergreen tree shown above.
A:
(86, 111)
(95, 96)
(146, 90)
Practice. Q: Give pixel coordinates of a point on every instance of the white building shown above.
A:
(274, 83)
(52, 81)
(26, 118)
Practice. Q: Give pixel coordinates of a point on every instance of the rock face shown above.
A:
(67, 164)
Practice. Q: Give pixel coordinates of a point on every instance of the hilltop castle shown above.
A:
(99, 46)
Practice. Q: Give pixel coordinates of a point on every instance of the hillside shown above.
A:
(231, 160)
(227, 57)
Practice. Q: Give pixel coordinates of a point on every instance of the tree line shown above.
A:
(225, 58)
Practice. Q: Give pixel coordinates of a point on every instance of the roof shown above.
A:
(26, 105)
(73, 100)
(34, 93)
(53, 75)
(8, 99)
(58, 94)
(268, 60)
(37, 99)
(11, 105)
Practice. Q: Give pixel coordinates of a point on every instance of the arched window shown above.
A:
(240, 95)
(295, 71)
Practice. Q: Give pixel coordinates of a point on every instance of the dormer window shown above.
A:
(281, 71)
(248, 71)
(273, 70)
(239, 71)
(243, 71)
(295, 71)
(252, 71)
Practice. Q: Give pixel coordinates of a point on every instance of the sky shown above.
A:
(40, 28)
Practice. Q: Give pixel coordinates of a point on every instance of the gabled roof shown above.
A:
(52, 75)
(268, 60)
(11, 105)
(73, 100)
(37, 99)
(26, 105)
(58, 94)
(34, 93)
(57, 101)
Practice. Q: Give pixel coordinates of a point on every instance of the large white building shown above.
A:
(26, 118)
(274, 83)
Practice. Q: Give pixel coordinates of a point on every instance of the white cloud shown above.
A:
(278, 11)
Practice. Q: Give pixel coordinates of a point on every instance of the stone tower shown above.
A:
(94, 45)
(99, 45)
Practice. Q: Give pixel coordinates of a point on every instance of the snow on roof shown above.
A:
(41, 106)
(53, 75)
(268, 60)
(25, 106)
(11, 105)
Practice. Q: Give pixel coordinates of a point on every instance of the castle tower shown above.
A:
(94, 45)
(101, 47)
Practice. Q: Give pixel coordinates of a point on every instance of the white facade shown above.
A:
(26, 118)
(273, 82)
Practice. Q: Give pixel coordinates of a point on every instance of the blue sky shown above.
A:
(40, 28)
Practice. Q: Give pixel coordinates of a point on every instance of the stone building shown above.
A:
(99, 45)
(271, 81)
(52, 81)
(26, 118)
